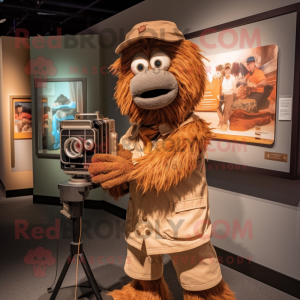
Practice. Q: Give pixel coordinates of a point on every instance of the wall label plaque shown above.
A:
(276, 156)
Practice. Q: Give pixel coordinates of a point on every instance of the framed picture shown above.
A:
(237, 109)
(20, 121)
(21, 118)
(69, 98)
(253, 111)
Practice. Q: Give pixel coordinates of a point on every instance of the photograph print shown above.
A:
(240, 96)
(22, 118)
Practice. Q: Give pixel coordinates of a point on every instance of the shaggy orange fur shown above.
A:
(146, 290)
(187, 67)
(218, 292)
(189, 70)
(174, 159)
(181, 148)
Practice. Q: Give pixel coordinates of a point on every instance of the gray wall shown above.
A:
(85, 56)
(270, 205)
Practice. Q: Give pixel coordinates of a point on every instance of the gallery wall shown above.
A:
(14, 82)
(73, 57)
(269, 205)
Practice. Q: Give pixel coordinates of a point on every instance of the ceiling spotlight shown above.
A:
(2, 19)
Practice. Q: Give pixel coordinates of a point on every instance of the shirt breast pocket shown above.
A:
(187, 204)
(188, 219)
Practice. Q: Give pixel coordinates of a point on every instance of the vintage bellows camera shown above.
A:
(83, 137)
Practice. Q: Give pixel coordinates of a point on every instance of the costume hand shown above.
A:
(111, 170)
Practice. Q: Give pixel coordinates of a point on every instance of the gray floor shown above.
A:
(104, 246)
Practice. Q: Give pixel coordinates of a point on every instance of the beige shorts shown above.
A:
(197, 269)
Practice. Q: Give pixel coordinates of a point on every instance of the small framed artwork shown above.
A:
(21, 118)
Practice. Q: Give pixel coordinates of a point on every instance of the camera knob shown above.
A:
(89, 144)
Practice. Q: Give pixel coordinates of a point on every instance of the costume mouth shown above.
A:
(155, 93)
(152, 90)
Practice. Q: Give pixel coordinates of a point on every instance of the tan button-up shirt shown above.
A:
(172, 221)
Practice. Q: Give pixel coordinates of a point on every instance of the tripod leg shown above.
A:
(62, 277)
(90, 276)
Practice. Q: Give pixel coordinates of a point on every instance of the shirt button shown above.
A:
(148, 232)
(137, 232)
(144, 218)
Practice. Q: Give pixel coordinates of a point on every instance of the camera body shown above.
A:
(82, 138)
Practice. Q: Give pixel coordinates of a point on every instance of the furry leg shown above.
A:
(219, 292)
(146, 290)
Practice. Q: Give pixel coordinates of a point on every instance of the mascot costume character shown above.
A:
(161, 163)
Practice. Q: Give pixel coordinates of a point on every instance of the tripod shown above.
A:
(72, 194)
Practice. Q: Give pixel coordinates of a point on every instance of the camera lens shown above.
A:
(73, 147)
(89, 144)
(76, 146)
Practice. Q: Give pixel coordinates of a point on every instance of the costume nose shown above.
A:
(153, 89)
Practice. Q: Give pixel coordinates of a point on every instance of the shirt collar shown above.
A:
(165, 129)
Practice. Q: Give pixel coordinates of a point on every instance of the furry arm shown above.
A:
(173, 159)
(112, 171)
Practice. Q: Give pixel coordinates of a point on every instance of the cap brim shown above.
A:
(124, 45)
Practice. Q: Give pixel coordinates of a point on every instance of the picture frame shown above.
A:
(238, 116)
(284, 164)
(14, 100)
(21, 118)
(69, 98)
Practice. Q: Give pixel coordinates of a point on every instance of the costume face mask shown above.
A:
(159, 82)
(155, 87)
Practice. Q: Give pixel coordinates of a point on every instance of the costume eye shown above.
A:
(140, 67)
(160, 60)
(139, 63)
(158, 63)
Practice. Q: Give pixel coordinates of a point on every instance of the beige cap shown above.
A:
(161, 30)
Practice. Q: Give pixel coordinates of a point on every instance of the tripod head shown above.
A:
(73, 193)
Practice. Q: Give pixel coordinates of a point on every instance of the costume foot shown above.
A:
(219, 125)
(146, 290)
(219, 292)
